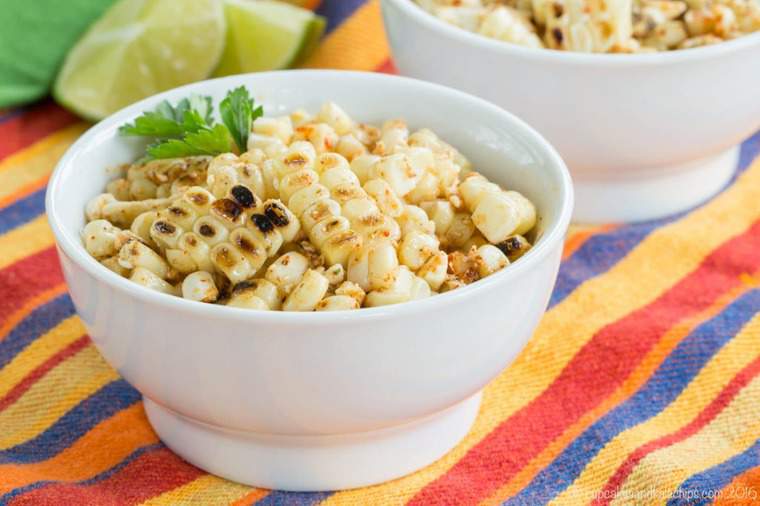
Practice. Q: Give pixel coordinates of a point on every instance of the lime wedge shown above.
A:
(138, 48)
(267, 35)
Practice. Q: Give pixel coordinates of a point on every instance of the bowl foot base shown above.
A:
(314, 463)
(668, 190)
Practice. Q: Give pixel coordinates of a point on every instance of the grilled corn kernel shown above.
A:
(287, 271)
(336, 176)
(420, 289)
(490, 259)
(307, 294)
(364, 166)
(149, 279)
(122, 214)
(270, 145)
(283, 219)
(135, 254)
(280, 127)
(350, 147)
(400, 174)
(323, 230)
(427, 188)
(318, 211)
(393, 136)
(100, 238)
(416, 248)
(434, 269)
(230, 261)
(94, 208)
(351, 290)
(141, 227)
(382, 262)
(119, 188)
(141, 189)
(247, 300)
(336, 117)
(399, 291)
(460, 230)
(200, 286)
(254, 247)
(514, 247)
(337, 303)
(338, 247)
(112, 264)
(260, 288)
(198, 250)
(294, 181)
(335, 274)
(305, 197)
(165, 233)
(384, 196)
(414, 218)
(441, 212)
(321, 135)
(210, 230)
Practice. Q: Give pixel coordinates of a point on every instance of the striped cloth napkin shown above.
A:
(640, 386)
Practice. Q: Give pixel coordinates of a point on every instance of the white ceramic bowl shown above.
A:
(643, 135)
(319, 401)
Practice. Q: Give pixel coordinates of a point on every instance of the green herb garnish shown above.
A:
(188, 129)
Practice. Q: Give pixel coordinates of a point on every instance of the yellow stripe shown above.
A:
(655, 265)
(357, 44)
(35, 161)
(702, 390)
(635, 380)
(207, 490)
(38, 352)
(50, 398)
(24, 241)
(660, 473)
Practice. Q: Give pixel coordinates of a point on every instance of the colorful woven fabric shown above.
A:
(641, 384)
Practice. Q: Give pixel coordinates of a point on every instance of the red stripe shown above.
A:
(387, 67)
(42, 369)
(591, 376)
(706, 416)
(149, 475)
(26, 278)
(32, 125)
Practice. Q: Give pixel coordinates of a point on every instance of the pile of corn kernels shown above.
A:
(603, 26)
(321, 213)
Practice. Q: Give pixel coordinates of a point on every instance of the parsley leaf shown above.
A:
(238, 113)
(208, 141)
(190, 115)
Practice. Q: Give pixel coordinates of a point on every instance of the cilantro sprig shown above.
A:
(188, 128)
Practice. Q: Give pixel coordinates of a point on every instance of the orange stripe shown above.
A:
(633, 383)
(30, 306)
(27, 189)
(744, 489)
(252, 497)
(104, 446)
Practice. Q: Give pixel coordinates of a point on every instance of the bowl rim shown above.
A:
(72, 247)
(420, 15)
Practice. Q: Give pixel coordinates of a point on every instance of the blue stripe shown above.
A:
(292, 498)
(337, 11)
(22, 211)
(6, 499)
(103, 404)
(667, 382)
(703, 488)
(13, 113)
(34, 325)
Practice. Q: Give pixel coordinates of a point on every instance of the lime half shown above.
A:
(267, 35)
(138, 48)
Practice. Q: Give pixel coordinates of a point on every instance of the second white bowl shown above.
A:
(644, 135)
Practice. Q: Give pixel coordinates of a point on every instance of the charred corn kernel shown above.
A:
(337, 303)
(94, 208)
(119, 188)
(399, 291)
(352, 290)
(294, 181)
(200, 286)
(350, 147)
(100, 238)
(112, 264)
(165, 233)
(179, 213)
(514, 247)
(338, 247)
(180, 260)
(367, 134)
(416, 248)
(228, 212)
(400, 174)
(306, 295)
(261, 288)
(321, 135)
(327, 161)
(490, 259)
(197, 249)
(318, 211)
(122, 214)
(441, 212)
(342, 193)
(322, 231)
(433, 271)
(287, 271)
(283, 219)
(460, 230)
(135, 254)
(364, 166)
(414, 218)
(141, 227)
(149, 279)
(210, 230)
(252, 176)
(280, 127)
(336, 117)
(270, 145)
(385, 198)
(255, 247)
(420, 289)
(393, 136)
(305, 197)
(231, 262)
